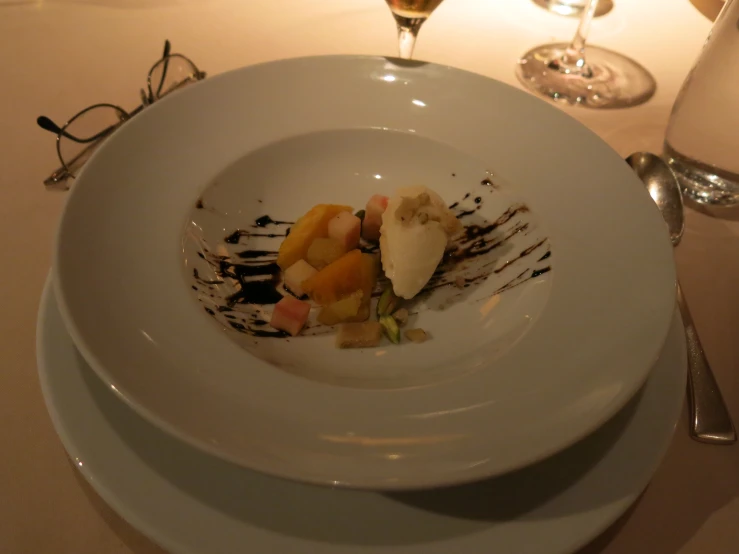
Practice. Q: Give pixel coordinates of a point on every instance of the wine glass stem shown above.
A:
(574, 57)
(407, 32)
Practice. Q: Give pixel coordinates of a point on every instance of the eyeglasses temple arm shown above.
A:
(48, 125)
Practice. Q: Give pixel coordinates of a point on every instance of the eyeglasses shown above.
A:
(79, 137)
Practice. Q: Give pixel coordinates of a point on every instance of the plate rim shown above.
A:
(447, 479)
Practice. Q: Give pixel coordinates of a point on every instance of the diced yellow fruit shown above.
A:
(363, 313)
(311, 226)
(353, 271)
(345, 309)
(416, 335)
(322, 252)
(296, 274)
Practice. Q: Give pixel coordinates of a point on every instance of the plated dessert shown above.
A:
(323, 260)
(365, 275)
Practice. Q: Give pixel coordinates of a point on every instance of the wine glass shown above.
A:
(573, 7)
(409, 16)
(585, 76)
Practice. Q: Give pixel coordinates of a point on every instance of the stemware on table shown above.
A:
(409, 16)
(585, 75)
(573, 7)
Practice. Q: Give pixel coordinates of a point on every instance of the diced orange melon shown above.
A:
(322, 252)
(311, 226)
(353, 271)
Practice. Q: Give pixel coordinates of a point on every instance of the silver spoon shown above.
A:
(709, 418)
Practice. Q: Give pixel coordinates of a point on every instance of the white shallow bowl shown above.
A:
(192, 503)
(507, 379)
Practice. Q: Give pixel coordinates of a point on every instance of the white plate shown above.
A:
(507, 380)
(193, 503)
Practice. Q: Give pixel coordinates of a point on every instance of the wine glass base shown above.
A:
(607, 80)
(573, 8)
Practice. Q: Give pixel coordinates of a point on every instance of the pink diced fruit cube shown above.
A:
(296, 274)
(290, 315)
(345, 228)
(373, 217)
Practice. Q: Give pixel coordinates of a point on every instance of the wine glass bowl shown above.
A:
(573, 8)
(409, 16)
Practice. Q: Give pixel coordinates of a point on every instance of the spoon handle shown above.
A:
(709, 418)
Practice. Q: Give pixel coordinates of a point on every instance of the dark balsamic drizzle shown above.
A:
(465, 213)
(266, 220)
(235, 237)
(238, 326)
(255, 275)
(205, 281)
(456, 204)
(520, 279)
(267, 235)
(523, 254)
(517, 280)
(266, 334)
(257, 278)
(259, 292)
(251, 254)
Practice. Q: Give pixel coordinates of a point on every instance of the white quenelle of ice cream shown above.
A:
(416, 228)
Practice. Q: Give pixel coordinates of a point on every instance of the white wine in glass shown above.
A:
(409, 16)
(574, 7)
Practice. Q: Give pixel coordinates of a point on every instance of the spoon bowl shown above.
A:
(710, 421)
(663, 188)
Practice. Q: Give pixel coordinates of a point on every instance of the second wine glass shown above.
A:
(409, 16)
(587, 76)
(573, 7)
